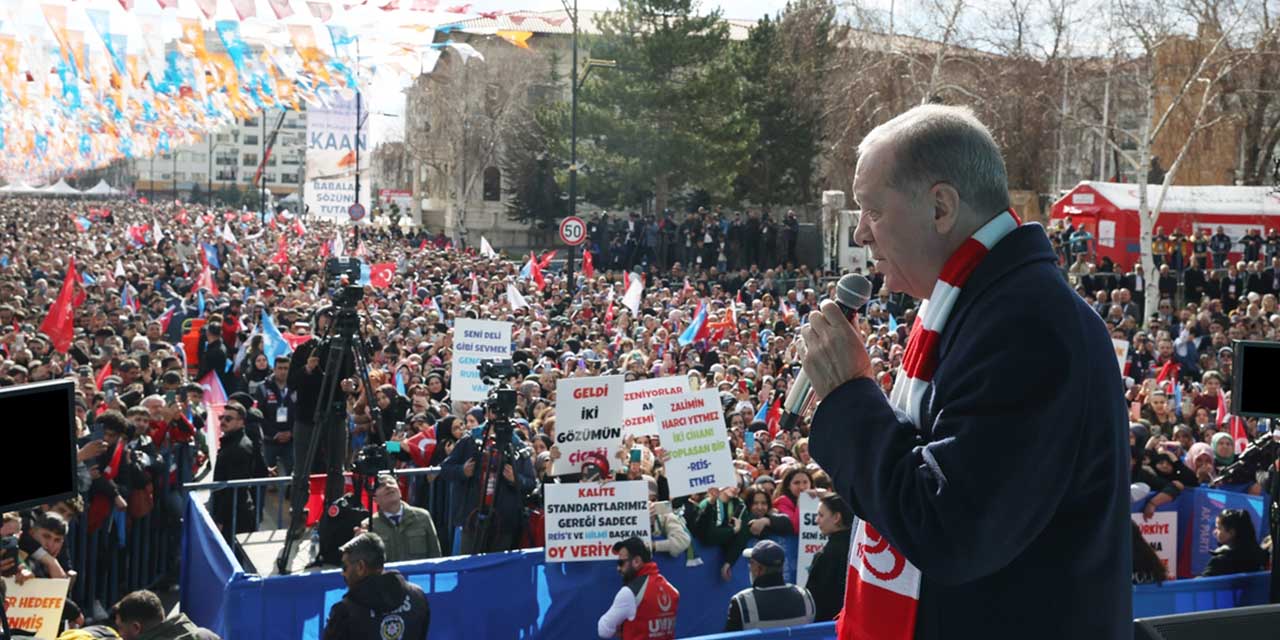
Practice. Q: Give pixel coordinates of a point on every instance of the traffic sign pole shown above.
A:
(573, 232)
(569, 269)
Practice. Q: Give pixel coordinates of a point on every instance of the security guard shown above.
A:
(378, 605)
(770, 602)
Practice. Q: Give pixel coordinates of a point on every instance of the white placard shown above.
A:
(588, 420)
(473, 341)
(811, 539)
(36, 605)
(694, 435)
(585, 519)
(1122, 352)
(640, 398)
(1107, 233)
(1161, 532)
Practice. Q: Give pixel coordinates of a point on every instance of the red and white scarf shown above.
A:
(882, 589)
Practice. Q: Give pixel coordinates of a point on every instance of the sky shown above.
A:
(748, 9)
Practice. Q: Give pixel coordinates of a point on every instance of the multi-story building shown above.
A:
(228, 159)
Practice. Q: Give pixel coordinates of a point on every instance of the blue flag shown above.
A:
(88, 279)
(893, 323)
(400, 385)
(364, 274)
(211, 253)
(273, 343)
(763, 414)
(691, 333)
(200, 303)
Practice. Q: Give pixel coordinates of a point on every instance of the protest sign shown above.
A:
(811, 539)
(695, 437)
(585, 519)
(36, 605)
(588, 421)
(473, 341)
(1161, 532)
(639, 399)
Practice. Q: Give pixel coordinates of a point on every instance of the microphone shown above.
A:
(852, 291)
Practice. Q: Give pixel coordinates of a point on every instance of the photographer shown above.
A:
(306, 376)
(492, 515)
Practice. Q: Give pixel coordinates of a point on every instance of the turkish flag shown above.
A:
(58, 323)
(380, 274)
(588, 265)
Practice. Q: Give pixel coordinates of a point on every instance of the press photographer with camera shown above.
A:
(490, 475)
(305, 380)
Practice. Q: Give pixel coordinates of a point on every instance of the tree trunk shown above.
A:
(661, 192)
(1146, 217)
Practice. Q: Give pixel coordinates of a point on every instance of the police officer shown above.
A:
(378, 604)
(770, 602)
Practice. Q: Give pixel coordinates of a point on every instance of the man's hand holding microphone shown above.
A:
(834, 351)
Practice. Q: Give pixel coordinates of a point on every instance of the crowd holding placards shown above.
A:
(188, 329)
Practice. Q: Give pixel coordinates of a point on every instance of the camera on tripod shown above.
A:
(502, 398)
(345, 295)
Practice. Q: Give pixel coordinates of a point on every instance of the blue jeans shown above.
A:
(279, 456)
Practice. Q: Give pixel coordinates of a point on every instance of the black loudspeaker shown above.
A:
(1243, 623)
(343, 515)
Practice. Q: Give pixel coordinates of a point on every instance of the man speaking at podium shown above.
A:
(992, 485)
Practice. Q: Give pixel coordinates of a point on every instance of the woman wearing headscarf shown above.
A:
(1200, 461)
(1224, 451)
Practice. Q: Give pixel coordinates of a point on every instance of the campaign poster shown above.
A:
(585, 519)
(36, 605)
(1161, 532)
(588, 421)
(331, 158)
(1122, 352)
(694, 435)
(473, 341)
(639, 400)
(811, 539)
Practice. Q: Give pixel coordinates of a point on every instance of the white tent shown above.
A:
(60, 188)
(102, 189)
(18, 187)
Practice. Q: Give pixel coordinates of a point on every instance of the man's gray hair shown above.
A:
(938, 143)
(367, 548)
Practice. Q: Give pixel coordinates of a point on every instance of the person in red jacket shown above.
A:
(645, 607)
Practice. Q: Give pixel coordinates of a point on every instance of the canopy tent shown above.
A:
(18, 188)
(102, 189)
(60, 188)
(1109, 211)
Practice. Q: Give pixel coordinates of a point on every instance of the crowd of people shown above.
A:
(166, 295)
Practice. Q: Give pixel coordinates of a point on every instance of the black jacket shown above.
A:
(827, 576)
(989, 559)
(465, 493)
(304, 388)
(1226, 560)
(235, 462)
(214, 358)
(381, 606)
(271, 398)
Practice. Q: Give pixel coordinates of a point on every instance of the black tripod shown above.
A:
(346, 352)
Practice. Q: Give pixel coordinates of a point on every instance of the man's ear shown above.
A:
(945, 201)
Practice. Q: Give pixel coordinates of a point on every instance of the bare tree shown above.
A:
(461, 112)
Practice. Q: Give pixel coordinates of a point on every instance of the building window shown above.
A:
(223, 137)
(289, 178)
(251, 140)
(492, 184)
(249, 160)
(225, 159)
(251, 122)
(226, 176)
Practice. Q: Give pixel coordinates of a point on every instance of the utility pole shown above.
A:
(573, 146)
(208, 190)
(262, 194)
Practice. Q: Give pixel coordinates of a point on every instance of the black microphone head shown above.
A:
(853, 291)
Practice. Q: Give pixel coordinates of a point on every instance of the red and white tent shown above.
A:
(1109, 211)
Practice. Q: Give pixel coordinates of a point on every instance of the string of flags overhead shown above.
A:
(87, 82)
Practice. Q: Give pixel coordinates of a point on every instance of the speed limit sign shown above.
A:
(573, 231)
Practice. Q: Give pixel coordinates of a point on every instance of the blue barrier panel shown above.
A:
(817, 631)
(1201, 594)
(506, 595)
(1205, 505)
(208, 567)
